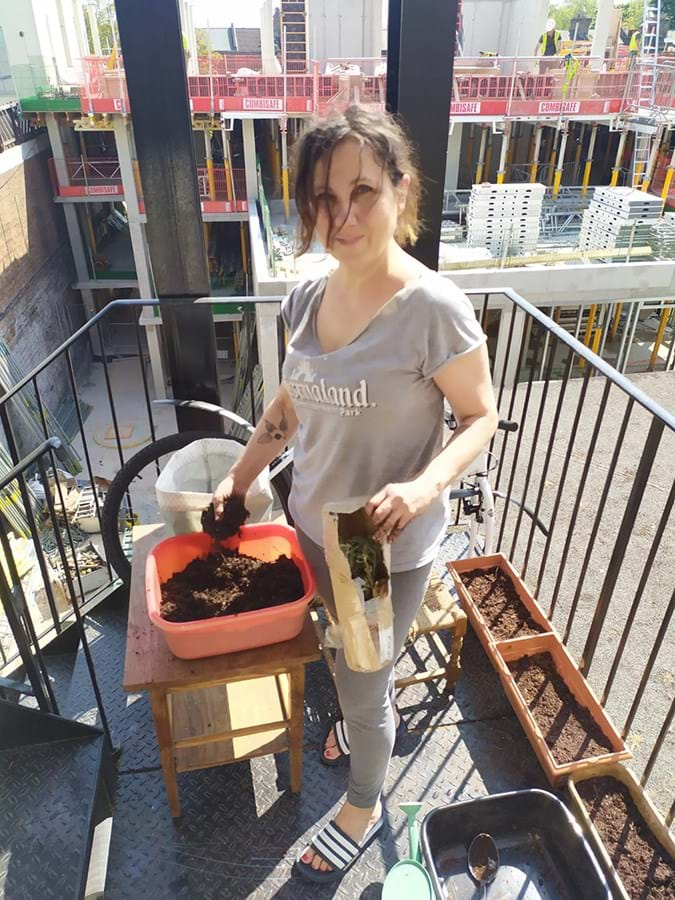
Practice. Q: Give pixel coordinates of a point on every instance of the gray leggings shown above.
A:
(367, 698)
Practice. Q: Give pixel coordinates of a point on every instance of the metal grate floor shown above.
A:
(241, 828)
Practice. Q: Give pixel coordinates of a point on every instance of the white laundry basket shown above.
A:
(186, 484)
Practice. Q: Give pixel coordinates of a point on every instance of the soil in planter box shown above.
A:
(498, 602)
(645, 868)
(233, 517)
(227, 583)
(568, 728)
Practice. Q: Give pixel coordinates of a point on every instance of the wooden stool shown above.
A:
(218, 710)
(439, 612)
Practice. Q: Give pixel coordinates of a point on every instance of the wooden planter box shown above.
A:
(480, 626)
(510, 651)
(643, 805)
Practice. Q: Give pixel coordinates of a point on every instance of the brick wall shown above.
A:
(38, 307)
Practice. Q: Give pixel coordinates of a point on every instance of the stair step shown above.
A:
(52, 793)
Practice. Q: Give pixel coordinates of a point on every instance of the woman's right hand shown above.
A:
(226, 489)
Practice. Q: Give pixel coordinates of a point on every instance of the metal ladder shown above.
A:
(647, 134)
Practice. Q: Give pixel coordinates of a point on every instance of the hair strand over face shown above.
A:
(385, 138)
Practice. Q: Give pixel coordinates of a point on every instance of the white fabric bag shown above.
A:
(187, 482)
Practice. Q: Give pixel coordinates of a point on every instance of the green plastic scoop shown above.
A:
(408, 879)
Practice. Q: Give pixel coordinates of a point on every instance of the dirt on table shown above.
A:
(227, 583)
(644, 866)
(568, 728)
(233, 517)
(498, 602)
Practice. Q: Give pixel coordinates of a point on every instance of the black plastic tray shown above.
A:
(543, 854)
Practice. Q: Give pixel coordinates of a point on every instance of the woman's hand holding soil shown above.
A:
(227, 488)
(392, 508)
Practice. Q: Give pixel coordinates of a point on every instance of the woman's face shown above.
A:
(359, 197)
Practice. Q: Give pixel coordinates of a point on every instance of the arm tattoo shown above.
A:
(274, 432)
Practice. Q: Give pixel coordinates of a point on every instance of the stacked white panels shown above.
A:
(619, 217)
(505, 218)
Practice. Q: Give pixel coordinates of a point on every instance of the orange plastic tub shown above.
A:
(227, 634)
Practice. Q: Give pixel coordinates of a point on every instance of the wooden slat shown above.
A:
(149, 662)
(253, 709)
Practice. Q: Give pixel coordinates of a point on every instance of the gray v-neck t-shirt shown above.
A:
(370, 412)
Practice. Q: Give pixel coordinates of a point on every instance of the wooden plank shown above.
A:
(243, 706)
(149, 662)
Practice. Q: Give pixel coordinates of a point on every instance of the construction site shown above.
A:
(148, 236)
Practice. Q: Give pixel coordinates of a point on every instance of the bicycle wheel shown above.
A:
(125, 495)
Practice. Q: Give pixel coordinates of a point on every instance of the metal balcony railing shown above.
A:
(499, 87)
(592, 459)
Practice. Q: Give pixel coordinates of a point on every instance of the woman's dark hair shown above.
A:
(385, 138)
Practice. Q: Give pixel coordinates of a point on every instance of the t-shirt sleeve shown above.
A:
(294, 307)
(289, 308)
(452, 328)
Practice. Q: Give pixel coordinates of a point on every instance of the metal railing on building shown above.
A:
(592, 459)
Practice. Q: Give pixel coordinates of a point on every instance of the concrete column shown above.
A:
(58, 152)
(93, 27)
(267, 37)
(138, 244)
(453, 158)
(250, 159)
(603, 24)
(193, 62)
(81, 269)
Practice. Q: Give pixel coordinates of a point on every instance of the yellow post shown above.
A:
(589, 329)
(561, 163)
(503, 156)
(665, 190)
(589, 161)
(597, 334)
(534, 165)
(481, 154)
(658, 340)
(513, 144)
(244, 254)
(488, 156)
(619, 159)
(209, 165)
(284, 173)
(615, 320)
(577, 155)
(651, 163)
(228, 168)
(554, 157)
(276, 162)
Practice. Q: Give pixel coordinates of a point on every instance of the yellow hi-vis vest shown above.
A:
(634, 44)
(557, 37)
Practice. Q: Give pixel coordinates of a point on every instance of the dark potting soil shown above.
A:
(568, 728)
(644, 866)
(227, 583)
(498, 602)
(233, 517)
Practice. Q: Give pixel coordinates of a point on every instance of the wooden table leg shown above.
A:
(454, 667)
(297, 676)
(161, 713)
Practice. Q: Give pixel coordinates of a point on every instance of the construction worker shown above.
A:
(549, 45)
(634, 45)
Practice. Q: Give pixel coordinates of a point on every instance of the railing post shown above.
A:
(621, 543)
(266, 316)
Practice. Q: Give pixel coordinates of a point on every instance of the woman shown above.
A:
(374, 350)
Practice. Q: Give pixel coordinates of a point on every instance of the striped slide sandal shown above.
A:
(338, 850)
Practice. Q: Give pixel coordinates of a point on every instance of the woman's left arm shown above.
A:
(467, 386)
